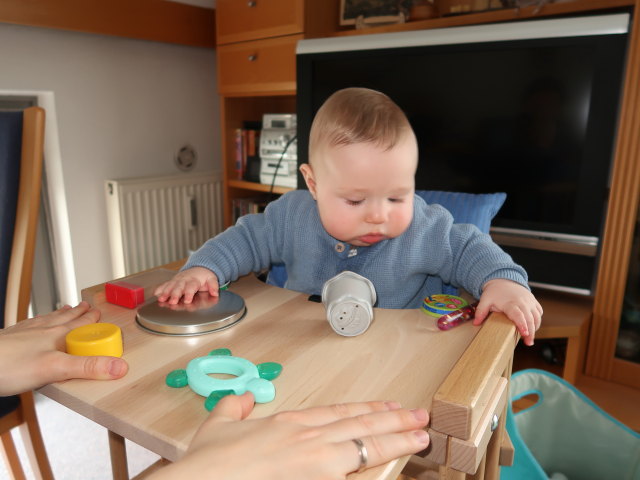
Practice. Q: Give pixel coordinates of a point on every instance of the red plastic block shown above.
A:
(124, 294)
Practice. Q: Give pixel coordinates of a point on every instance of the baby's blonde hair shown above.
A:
(357, 115)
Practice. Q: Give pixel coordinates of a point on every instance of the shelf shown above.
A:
(266, 94)
(533, 357)
(257, 187)
(494, 16)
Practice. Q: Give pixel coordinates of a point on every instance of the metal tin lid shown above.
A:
(206, 314)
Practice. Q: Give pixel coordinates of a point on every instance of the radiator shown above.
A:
(156, 220)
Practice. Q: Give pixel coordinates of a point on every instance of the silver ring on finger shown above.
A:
(363, 455)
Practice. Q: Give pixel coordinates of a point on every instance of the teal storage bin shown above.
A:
(565, 435)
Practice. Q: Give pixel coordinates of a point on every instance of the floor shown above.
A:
(621, 402)
(77, 448)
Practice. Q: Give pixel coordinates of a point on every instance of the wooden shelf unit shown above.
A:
(502, 15)
(317, 19)
(257, 187)
(257, 70)
(235, 110)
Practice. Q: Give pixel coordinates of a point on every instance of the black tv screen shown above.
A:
(512, 108)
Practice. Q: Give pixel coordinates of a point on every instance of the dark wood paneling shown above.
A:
(154, 20)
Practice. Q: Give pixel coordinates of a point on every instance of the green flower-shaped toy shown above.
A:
(248, 377)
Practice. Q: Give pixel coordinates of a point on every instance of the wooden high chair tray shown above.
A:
(458, 375)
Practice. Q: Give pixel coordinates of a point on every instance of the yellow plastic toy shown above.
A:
(95, 339)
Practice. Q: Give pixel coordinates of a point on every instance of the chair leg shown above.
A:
(32, 437)
(11, 457)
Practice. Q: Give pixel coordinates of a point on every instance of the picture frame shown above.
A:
(370, 12)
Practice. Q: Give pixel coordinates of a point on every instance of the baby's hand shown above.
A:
(515, 301)
(187, 283)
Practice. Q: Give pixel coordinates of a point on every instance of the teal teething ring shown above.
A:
(248, 377)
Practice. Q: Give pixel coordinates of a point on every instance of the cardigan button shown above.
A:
(340, 247)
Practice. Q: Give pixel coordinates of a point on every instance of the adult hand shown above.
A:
(515, 301)
(32, 352)
(316, 443)
(186, 284)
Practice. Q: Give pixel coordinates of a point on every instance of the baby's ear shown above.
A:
(309, 178)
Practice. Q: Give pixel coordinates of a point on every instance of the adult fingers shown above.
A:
(315, 416)
(380, 449)
(94, 368)
(65, 314)
(375, 423)
(232, 408)
(90, 316)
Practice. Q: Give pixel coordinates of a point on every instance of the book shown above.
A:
(247, 154)
(245, 206)
(239, 172)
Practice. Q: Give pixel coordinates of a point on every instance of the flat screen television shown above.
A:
(527, 108)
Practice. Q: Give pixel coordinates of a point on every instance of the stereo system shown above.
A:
(279, 150)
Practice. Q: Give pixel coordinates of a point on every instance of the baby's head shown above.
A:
(363, 156)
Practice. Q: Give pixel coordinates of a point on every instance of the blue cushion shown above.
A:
(475, 208)
(277, 275)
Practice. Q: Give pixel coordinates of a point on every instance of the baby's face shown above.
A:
(364, 193)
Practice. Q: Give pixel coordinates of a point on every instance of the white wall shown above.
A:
(123, 108)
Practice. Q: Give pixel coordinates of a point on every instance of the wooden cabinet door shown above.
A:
(612, 313)
(241, 20)
(260, 66)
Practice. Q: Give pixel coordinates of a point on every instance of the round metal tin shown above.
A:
(206, 314)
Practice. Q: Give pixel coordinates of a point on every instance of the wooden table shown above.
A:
(460, 376)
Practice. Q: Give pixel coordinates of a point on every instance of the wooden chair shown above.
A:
(21, 155)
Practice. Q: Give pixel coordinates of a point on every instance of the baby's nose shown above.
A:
(376, 214)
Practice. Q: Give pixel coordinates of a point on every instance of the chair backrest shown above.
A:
(21, 157)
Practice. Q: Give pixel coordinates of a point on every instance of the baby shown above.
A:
(361, 214)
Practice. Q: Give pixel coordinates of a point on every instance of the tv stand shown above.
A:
(566, 316)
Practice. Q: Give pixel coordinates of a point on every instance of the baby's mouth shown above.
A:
(372, 238)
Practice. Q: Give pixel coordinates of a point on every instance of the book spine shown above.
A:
(251, 147)
(238, 153)
(245, 142)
